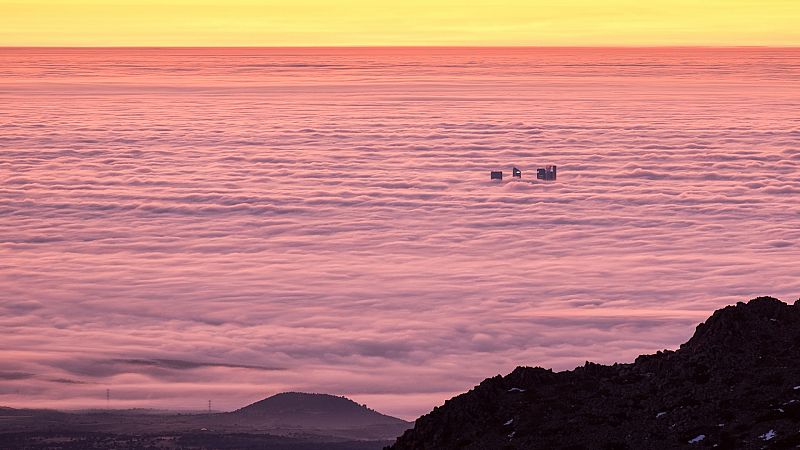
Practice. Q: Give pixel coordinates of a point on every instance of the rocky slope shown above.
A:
(734, 385)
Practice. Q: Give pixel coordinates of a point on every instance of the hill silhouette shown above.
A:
(320, 411)
(290, 420)
(734, 385)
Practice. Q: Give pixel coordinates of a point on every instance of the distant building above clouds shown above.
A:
(546, 173)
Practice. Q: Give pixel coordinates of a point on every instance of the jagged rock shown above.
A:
(734, 385)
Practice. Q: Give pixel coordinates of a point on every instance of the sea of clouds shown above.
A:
(185, 225)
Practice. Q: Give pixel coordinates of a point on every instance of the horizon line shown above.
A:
(793, 46)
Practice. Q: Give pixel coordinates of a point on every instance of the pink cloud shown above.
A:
(247, 230)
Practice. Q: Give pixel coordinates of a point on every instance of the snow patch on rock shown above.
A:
(697, 439)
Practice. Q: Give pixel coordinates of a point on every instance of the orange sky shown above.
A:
(398, 22)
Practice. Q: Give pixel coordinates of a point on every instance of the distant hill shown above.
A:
(319, 411)
(291, 420)
(734, 385)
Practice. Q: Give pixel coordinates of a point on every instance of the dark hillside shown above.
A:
(734, 385)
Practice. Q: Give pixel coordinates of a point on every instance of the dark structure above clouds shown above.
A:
(546, 173)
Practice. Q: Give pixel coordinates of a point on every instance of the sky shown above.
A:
(399, 23)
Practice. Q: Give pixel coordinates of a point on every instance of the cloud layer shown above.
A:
(179, 225)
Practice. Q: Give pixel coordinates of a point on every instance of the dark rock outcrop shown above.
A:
(734, 385)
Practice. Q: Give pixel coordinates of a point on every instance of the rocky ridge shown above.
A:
(734, 385)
